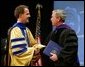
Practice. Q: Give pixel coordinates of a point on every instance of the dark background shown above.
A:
(8, 19)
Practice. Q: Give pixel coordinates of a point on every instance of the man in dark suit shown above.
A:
(66, 38)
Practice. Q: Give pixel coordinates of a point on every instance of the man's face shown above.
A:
(25, 16)
(54, 18)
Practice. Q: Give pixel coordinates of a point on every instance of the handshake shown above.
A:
(37, 48)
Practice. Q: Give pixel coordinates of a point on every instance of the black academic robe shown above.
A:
(67, 39)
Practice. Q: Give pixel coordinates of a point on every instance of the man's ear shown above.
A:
(58, 18)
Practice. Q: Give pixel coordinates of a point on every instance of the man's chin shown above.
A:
(27, 21)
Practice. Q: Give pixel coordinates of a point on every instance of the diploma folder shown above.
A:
(52, 47)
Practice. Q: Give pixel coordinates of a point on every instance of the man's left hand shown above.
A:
(53, 57)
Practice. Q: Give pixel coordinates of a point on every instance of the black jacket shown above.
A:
(67, 39)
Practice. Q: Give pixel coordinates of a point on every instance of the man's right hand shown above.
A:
(36, 51)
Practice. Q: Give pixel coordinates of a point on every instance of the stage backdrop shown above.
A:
(75, 18)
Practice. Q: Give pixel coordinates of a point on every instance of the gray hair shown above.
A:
(60, 13)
